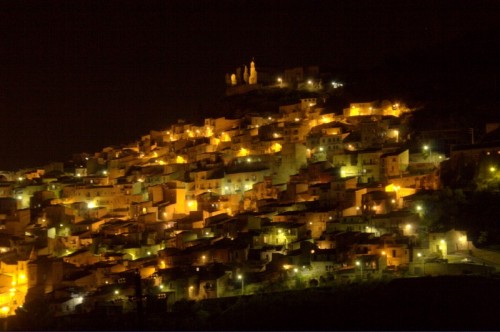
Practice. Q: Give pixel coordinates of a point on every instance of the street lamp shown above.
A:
(358, 263)
(428, 148)
(422, 261)
(240, 277)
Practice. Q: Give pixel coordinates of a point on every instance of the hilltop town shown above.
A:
(303, 195)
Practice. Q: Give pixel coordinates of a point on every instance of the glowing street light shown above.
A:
(429, 149)
(358, 263)
(422, 261)
(240, 277)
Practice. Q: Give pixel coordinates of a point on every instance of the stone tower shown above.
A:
(253, 74)
(245, 75)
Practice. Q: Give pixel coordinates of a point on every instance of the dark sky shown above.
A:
(77, 76)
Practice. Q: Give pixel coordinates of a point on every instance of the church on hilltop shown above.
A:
(242, 81)
(308, 78)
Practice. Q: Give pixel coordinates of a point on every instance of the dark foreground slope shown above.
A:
(433, 303)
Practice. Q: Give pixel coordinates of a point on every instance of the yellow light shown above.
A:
(5, 309)
(243, 152)
(276, 147)
(192, 205)
(224, 137)
(180, 160)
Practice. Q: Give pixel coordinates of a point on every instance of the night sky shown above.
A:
(77, 76)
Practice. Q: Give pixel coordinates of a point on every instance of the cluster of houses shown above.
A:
(298, 197)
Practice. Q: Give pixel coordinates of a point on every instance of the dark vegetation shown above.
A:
(431, 303)
(476, 212)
